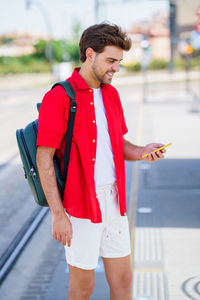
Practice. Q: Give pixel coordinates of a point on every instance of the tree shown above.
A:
(62, 50)
(40, 48)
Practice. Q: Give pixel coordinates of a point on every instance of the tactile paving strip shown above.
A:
(148, 245)
(151, 285)
(149, 279)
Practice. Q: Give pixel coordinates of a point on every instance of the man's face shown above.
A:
(105, 64)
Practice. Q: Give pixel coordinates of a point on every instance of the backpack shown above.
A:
(26, 140)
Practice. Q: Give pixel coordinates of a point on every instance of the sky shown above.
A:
(62, 14)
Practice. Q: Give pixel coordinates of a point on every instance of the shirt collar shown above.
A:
(80, 82)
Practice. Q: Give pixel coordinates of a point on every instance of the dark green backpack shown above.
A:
(26, 140)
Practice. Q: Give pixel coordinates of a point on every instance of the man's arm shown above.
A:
(61, 225)
(133, 152)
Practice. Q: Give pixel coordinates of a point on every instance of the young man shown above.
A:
(91, 220)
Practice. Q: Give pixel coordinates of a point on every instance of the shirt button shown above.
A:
(93, 141)
(91, 103)
(93, 121)
(93, 159)
(90, 90)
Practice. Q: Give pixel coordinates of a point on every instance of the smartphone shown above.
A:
(157, 149)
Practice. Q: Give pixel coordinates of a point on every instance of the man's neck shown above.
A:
(87, 75)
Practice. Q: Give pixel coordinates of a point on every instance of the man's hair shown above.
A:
(101, 35)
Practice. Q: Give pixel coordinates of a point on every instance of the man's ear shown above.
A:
(90, 54)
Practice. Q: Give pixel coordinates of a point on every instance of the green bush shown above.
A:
(26, 63)
(196, 53)
(195, 63)
(73, 52)
(132, 67)
(158, 64)
(62, 50)
(58, 47)
(179, 63)
(40, 49)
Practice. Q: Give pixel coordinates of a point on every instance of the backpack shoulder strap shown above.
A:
(68, 88)
(71, 94)
(69, 91)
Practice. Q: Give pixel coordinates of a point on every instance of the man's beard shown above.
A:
(99, 76)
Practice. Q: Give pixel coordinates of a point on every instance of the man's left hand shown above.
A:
(153, 156)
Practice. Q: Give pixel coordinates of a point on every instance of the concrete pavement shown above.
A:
(13, 82)
(164, 209)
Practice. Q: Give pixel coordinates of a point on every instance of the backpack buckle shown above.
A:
(73, 106)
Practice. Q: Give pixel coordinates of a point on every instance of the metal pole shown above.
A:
(144, 84)
(49, 28)
(144, 63)
(188, 57)
(172, 26)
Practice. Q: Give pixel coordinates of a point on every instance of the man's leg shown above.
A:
(119, 276)
(81, 283)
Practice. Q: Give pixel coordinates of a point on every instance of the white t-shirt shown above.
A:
(104, 164)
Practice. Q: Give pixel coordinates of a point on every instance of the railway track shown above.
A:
(17, 245)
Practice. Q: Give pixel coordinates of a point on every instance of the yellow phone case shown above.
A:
(157, 150)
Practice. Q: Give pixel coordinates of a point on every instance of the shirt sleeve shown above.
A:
(121, 115)
(53, 118)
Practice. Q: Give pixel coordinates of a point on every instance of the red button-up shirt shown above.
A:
(80, 199)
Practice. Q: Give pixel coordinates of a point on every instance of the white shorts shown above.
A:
(109, 239)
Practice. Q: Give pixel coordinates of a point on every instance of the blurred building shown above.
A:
(156, 31)
(186, 15)
(188, 22)
(19, 43)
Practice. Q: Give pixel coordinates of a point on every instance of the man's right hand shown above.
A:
(62, 228)
(61, 225)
